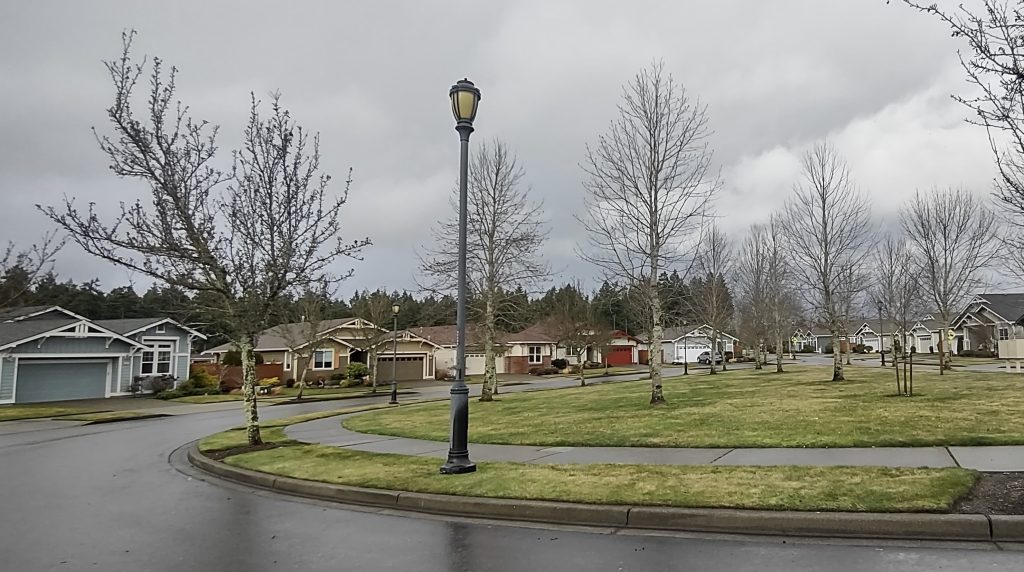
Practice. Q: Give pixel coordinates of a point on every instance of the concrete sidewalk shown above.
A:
(988, 459)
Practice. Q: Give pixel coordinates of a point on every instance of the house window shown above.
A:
(156, 360)
(161, 328)
(1004, 334)
(287, 361)
(323, 359)
(535, 354)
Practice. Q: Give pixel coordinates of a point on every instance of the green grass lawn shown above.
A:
(747, 408)
(16, 412)
(773, 488)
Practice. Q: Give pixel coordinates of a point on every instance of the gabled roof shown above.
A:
(886, 327)
(19, 332)
(445, 336)
(405, 336)
(282, 336)
(1009, 307)
(675, 334)
(129, 326)
(534, 333)
(25, 312)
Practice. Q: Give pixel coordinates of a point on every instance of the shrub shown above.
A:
(290, 382)
(442, 374)
(269, 382)
(931, 349)
(336, 377)
(170, 394)
(234, 358)
(203, 378)
(593, 365)
(729, 355)
(160, 383)
(544, 370)
(356, 370)
(351, 382)
(869, 349)
(807, 349)
(560, 363)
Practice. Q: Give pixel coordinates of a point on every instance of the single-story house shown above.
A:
(517, 352)
(681, 345)
(816, 337)
(625, 349)
(988, 319)
(878, 335)
(339, 342)
(48, 353)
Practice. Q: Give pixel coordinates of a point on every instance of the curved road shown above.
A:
(110, 497)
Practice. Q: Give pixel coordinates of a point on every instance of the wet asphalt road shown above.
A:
(107, 497)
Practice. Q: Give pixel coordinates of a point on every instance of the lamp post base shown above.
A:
(458, 465)
(394, 394)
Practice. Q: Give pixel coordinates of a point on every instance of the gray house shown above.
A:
(50, 354)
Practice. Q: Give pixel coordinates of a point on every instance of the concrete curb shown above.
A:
(906, 526)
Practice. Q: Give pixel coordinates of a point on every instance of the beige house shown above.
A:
(517, 352)
(338, 343)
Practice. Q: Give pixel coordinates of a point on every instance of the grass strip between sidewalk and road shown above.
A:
(857, 489)
(740, 408)
(20, 412)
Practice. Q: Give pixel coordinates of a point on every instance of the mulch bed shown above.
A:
(994, 493)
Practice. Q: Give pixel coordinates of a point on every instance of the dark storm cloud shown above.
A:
(373, 79)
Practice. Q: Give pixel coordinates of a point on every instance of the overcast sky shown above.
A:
(373, 78)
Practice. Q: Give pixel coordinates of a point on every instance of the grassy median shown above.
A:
(860, 489)
(799, 408)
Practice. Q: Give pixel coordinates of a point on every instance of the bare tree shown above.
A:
(898, 292)
(648, 183)
(22, 268)
(954, 238)
(574, 324)
(505, 231)
(305, 333)
(274, 229)
(711, 297)
(827, 222)
(763, 279)
(995, 66)
(375, 308)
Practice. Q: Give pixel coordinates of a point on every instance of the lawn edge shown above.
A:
(902, 526)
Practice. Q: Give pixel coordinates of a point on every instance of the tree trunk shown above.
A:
(372, 365)
(657, 333)
(583, 371)
(714, 350)
(252, 418)
(896, 366)
(778, 354)
(302, 379)
(757, 356)
(837, 357)
(942, 352)
(490, 386)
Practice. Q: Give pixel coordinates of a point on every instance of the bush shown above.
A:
(356, 370)
(869, 349)
(931, 349)
(203, 378)
(807, 349)
(160, 384)
(269, 382)
(544, 370)
(442, 374)
(593, 365)
(560, 363)
(336, 377)
(234, 358)
(351, 382)
(729, 355)
(290, 382)
(170, 394)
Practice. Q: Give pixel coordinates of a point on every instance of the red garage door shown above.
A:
(620, 355)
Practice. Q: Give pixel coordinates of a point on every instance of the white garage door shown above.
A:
(691, 351)
(475, 364)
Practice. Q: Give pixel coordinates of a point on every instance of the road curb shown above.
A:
(904, 526)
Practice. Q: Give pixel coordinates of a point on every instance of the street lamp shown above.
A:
(881, 334)
(465, 99)
(686, 349)
(394, 356)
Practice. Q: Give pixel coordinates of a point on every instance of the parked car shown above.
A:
(705, 358)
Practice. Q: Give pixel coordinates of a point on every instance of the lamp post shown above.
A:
(394, 356)
(465, 98)
(881, 333)
(686, 350)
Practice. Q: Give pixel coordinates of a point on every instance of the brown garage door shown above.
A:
(406, 369)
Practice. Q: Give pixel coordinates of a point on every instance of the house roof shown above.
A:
(887, 326)
(11, 332)
(281, 336)
(22, 312)
(673, 334)
(1009, 306)
(129, 326)
(446, 335)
